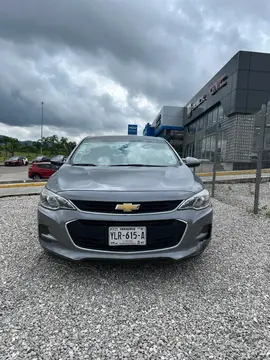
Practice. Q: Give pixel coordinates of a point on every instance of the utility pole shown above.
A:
(263, 114)
(41, 128)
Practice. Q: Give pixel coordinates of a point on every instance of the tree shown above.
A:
(6, 140)
(64, 144)
(71, 145)
(36, 147)
(13, 145)
(53, 142)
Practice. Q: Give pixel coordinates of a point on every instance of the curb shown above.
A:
(19, 195)
(20, 182)
(18, 185)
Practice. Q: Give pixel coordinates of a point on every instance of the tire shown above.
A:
(36, 177)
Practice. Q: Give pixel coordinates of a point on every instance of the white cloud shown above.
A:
(99, 66)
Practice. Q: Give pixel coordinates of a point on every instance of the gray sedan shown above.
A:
(124, 198)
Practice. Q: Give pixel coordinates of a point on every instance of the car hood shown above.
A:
(124, 179)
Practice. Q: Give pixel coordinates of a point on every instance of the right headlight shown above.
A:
(197, 202)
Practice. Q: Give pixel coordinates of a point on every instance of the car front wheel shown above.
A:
(36, 177)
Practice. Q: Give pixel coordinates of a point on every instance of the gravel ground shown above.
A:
(214, 307)
(242, 196)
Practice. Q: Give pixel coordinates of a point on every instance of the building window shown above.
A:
(205, 121)
(210, 119)
(203, 148)
(221, 113)
(212, 147)
(207, 146)
(198, 148)
(201, 124)
(215, 115)
(267, 139)
(189, 150)
(191, 129)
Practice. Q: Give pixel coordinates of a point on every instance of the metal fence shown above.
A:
(237, 145)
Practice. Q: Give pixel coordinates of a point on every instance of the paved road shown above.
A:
(20, 191)
(11, 173)
(213, 307)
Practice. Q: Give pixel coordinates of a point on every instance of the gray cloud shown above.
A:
(164, 50)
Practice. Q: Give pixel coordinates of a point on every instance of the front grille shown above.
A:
(109, 206)
(91, 234)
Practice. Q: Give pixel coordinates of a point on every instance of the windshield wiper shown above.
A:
(78, 164)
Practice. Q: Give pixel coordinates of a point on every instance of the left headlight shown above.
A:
(197, 202)
(52, 201)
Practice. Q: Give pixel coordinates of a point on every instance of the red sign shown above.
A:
(218, 85)
(212, 91)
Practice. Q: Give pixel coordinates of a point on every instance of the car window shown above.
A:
(130, 152)
(58, 158)
(55, 167)
(44, 166)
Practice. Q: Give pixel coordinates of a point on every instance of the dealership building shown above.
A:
(227, 104)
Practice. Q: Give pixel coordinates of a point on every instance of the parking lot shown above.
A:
(213, 307)
(13, 173)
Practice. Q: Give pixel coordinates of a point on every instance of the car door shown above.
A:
(20, 161)
(44, 171)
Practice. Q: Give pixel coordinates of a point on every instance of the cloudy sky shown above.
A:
(99, 65)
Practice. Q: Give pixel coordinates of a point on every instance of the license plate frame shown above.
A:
(117, 236)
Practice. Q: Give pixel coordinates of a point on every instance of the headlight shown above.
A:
(197, 202)
(52, 201)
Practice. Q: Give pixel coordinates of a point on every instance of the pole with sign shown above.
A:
(132, 129)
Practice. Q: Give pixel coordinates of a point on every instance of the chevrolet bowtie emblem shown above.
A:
(127, 207)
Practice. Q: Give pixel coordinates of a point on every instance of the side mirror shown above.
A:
(192, 162)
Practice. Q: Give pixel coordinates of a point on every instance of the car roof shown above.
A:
(126, 137)
(42, 163)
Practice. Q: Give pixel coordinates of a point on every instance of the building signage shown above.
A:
(191, 107)
(218, 85)
(212, 91)
(132, 129)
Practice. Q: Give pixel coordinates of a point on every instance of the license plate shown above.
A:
(127, 236)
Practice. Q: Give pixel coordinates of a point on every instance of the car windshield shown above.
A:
(124, 153)
(14, 158)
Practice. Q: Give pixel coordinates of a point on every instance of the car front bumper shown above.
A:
(55, 237)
